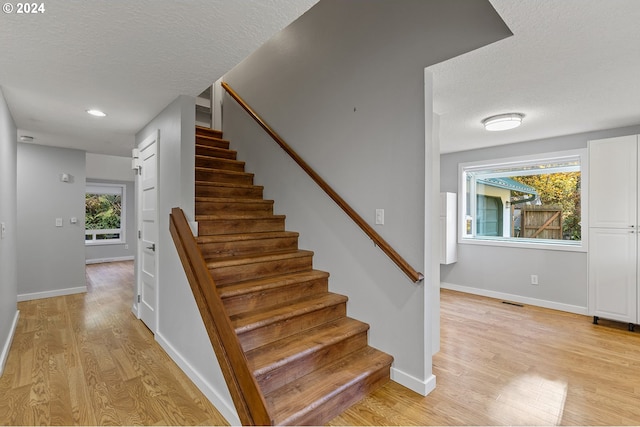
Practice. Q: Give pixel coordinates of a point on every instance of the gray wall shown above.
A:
(504, 272)
(50, 258)
(180, 330)
(8, 244)
(344, 85)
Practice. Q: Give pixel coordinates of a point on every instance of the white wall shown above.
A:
(344, 85)
(50, 258)
(102, 168)
(180, 330)
(506, 272)
(8, 242)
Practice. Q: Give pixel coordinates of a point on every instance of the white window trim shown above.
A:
(559, 245)
(106, 188)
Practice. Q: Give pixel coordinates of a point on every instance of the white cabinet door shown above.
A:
(613, 182)
(612, 274)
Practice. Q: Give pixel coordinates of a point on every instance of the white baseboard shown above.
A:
(517, 298)
(114, 259)
(413, 383)
(226, 409)
(7, 344)
(54, 293)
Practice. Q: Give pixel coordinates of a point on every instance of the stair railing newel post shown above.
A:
(414, 275)
(247, 397)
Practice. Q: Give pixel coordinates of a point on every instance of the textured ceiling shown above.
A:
(127, 58)
(572, 66)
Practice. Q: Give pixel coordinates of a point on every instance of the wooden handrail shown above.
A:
(247, 397)
(368, 230)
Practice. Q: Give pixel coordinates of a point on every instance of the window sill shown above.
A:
(564, 245)
(105, 242)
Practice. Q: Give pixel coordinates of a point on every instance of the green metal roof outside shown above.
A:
(509, 184)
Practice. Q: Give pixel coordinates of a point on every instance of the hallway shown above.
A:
(85, 359)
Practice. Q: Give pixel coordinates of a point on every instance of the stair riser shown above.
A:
(234, 226)
(230, 192)
(218, 163)
(215, 175)
(269, 333)
(203, 150)
(246, 247)
(217, 142)
(249, 210)
(299, 368)
(338, 403)
(248, 302)
(208, 132)
(238, 273)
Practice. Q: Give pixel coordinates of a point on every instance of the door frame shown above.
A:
(153, 137)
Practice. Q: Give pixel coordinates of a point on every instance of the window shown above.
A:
(104, 214)
(534, 201)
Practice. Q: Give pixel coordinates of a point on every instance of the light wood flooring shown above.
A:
(85, 359)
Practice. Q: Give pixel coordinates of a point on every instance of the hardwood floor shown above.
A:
(501, 364)
(85, 359)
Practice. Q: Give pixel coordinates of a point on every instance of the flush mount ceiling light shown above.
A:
(503, 121)
(96, 113)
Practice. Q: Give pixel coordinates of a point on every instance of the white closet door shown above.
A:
(613, 182)
(612, 274)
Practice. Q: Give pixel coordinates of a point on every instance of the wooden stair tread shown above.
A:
(201, 130)
(216, 238)
(220, 159)
(269, 283)
(282, 352)
(293, 403)
(212, 138)
(222, 171)
(201, 218)
(233, 200)
(227, 184)
(244, 322)
(254, 258)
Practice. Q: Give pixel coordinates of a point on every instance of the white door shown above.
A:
(147, 273)
(612, 273)
(612, 182)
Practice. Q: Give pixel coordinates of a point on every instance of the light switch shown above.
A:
(58, 222)
(380, 216)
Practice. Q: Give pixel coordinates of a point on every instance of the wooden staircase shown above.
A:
(309, 360)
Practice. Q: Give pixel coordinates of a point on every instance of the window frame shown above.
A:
(89, 187)
(521, 161)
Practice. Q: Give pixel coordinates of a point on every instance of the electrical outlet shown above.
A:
(534, 279)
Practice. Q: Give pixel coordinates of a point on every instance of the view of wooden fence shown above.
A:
(541, 222)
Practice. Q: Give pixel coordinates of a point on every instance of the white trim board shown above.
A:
(50, 294)
(576, 309)
(114, 259)
(7, 344)
(413, 383)
(228, 412)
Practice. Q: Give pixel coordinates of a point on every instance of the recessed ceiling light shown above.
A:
(503, 121)
(96, 113)
(26, 138)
